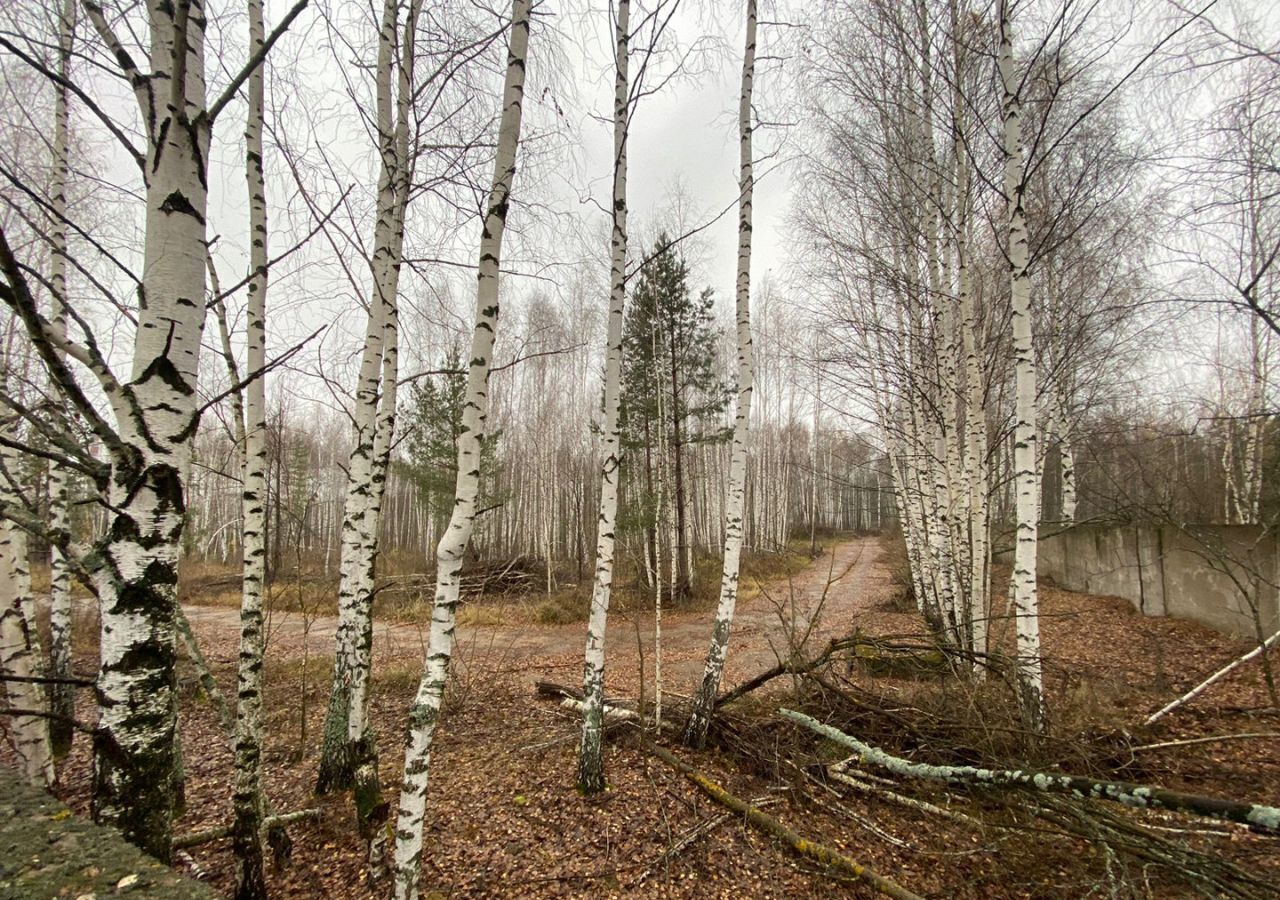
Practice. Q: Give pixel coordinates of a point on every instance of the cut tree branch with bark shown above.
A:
(1259, 817)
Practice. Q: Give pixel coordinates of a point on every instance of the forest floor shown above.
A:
(505, 820)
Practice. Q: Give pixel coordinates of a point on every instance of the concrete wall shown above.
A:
(1188, 572)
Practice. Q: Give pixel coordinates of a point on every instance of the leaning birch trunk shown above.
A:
(19, 653)
(1025, 601)
(62, 692)
(1212, 679)
(424, 714)
(247, 798)
(705, 700)
(590, 753)
(348, 746)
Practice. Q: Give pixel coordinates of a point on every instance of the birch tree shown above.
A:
(61, 691)
(247, 797)
(424, 714)
(590, 752)
(349, 753)
(704, 700)
(133, 567)
(19, 646)
(1023, 593)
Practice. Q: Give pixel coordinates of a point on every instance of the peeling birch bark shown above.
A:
(135, 564)
(590, 752)
(424, 714)
(705, 699)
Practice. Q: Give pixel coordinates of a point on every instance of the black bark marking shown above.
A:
(177, 202)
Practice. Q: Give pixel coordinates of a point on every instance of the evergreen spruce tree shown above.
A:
(433, 422)
(672, 396)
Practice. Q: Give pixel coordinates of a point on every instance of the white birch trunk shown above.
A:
(61, 695)
(1066, 457)
(661, 517)
(19, 647)
(705, 699)
(135, 563)
(247, 797)
(590, 762)
(424, 714)
(349, 749)
(976, 474)
(975, 462)
(1027, 484)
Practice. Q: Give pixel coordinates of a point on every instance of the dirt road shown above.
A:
(820, 602)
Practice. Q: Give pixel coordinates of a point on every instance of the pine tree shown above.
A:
(672, 395)
(433, 424)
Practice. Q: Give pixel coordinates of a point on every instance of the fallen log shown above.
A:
(556, 691)
(196, 838)
(48, 679)
(1211, 739)
(818, 852)
(1260, 818)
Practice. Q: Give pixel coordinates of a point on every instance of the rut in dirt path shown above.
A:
(760, 633)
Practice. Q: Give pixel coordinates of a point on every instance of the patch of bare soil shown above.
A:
(505, 821)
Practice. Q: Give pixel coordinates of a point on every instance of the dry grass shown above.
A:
(406, 589)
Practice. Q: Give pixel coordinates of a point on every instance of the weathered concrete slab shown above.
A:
(47, 852)
(1218, 575)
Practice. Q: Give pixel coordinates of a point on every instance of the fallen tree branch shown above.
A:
(790, 667)
(18, 712)
(866, 787)
(48, 679)
(1258, 735)
(556, 691)
(766, 823)
(1260, 818)
(196, 838)
(889, 647)
(553, 691)
(1216, 676)
(610, 712)
(686, 839)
